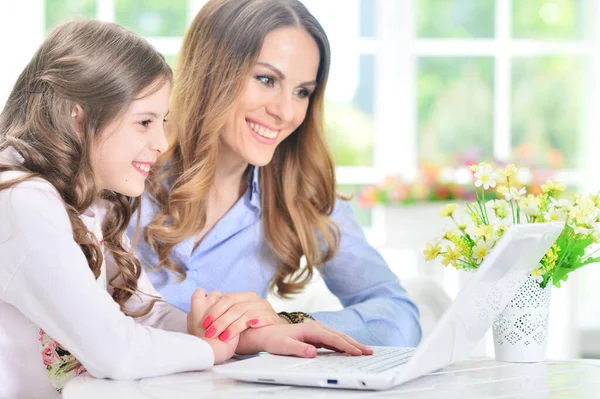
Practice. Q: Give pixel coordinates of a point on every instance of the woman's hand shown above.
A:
(300, 340)
(201, 302)
(235, 312)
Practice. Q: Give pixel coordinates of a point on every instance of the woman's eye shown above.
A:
(302, 93)
(145, 123)
(266, 80)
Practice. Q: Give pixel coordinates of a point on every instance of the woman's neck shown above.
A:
(230, 178)
(230, 184)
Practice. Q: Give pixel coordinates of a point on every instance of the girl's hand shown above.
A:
(235, 312)
(300, 340)
(201, 302)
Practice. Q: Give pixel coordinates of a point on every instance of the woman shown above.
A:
(248, 187)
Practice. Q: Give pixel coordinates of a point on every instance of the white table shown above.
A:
(474, 378)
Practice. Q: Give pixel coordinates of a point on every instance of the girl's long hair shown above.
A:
(219, 50)
(100, 68)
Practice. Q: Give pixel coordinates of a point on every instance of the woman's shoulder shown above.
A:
(148, 208)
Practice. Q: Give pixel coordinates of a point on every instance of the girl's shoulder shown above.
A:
(29, 190)
(30, 203)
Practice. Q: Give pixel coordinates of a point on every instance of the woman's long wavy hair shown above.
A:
(219, 50)
(100, 68)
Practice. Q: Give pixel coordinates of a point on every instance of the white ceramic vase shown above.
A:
(521, 330)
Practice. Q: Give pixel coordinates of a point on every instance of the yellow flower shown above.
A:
(502, 190)
(448, 210)
(450, 257)
(510, 171)
(550, 258)
(450, 235)
(463, 248)
(553, 186)
(485, 231)
(538, 271)
(432, 251)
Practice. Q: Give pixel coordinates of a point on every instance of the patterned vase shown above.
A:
(521, 330)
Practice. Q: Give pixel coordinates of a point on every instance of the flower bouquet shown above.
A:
(466, 245)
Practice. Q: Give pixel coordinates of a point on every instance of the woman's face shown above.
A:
(275, 98)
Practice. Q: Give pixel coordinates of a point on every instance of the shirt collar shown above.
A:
(254, 186)
(11, 156)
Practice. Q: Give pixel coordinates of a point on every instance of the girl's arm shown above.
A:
(45, 275)
(163, 315)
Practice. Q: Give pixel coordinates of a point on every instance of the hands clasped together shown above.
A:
(244, 323)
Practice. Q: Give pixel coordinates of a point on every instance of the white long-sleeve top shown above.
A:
(45, 282)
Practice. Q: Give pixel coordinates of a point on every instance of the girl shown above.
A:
(251, 183)
(78, 135)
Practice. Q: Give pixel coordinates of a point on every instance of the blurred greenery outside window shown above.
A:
(455, 95)
(349, 126)
(455, 98)
(153, 18)
(57, 11)
(455, 18)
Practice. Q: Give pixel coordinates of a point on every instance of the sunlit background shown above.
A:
(418, 89)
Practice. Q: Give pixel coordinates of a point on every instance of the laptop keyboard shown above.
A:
(383, 358)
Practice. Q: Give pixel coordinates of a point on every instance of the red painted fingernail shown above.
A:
(253, 322)
(210, 332)
(208, 321)
(223, 337)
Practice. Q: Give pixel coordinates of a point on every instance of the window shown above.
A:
(57, 11)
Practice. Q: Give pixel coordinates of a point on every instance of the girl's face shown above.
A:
(129, 145)
(275, 98)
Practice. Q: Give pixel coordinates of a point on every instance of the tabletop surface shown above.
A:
(473, 378)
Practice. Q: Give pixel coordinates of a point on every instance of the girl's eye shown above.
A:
(266, 80)
(146, 123)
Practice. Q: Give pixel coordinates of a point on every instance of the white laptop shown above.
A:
(461, 327)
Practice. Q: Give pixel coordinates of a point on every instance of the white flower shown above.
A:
(563, 203)
(530, 205)
(587, 207)
(500, 225)
(481, 249)
(555, 215)
(514, 193)
(582, 230)
(485, 175)
(498, 204)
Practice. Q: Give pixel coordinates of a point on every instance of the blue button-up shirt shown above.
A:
(234, 257)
